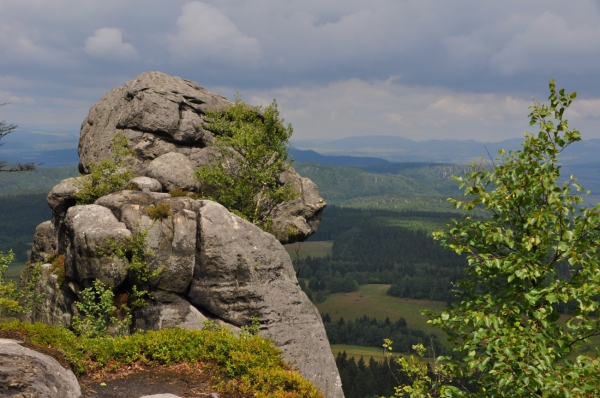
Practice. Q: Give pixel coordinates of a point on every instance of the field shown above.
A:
(14, 271)
(313, 249)
(358, 351)
(372, 301)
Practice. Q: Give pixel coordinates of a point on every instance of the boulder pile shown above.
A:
(213, 264)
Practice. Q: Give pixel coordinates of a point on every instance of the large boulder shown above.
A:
(28, 373)
(88, 255)
(157, 112)
(243, 272)
(163, 118)
(56, 304)
(212, 265)
(45, 243)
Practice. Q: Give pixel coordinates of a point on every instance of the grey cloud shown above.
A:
(76, 50)
(206, 34)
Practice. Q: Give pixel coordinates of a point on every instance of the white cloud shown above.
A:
(206, 34)
(356, 107)
(108, 43)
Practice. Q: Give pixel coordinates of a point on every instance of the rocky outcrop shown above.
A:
(210, 263)
(214, 265)
(28, 373)
(163, 117)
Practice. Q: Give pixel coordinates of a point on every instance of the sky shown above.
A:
(462, 69)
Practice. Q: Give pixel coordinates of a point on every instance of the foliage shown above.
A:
(252, 329)
(252, 144)
(110, 175)
(253, 363)
(58, 268)
(505, 326)
(159, 211)
(369, 332)
(178, 192)
(14, 299)
(98, 312)
(135, 251)
(367, 379)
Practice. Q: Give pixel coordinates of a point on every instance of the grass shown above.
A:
(358, 351)
(313, 249)
(372, 301)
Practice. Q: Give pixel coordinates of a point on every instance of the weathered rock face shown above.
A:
(215, 266)
(163, 117)
(28, 373)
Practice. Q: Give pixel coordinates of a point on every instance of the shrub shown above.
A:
(108, 176)
(58, 268)
(252, 144)
(253, 363)
(98, 312)
(159, 211)
(14, 299)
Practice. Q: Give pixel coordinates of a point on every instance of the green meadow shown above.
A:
(372, 301)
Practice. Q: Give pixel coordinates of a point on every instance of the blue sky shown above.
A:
(463, 69)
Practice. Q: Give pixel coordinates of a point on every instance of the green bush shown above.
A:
(252, 362)
(98, 312)
(159, 211)
(253, 151)
(108, 176)
(14, 299)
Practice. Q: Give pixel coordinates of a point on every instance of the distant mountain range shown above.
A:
(399, 149)
(60, 149)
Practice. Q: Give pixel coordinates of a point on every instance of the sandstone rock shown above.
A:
(297, 219)
(45, 243)
(159, 113)
(62, 196)
(243, 272)
(172, 240)
(28, 373)
(163, 117)
(56, 306)
(173, 170)
(146, 182)
(168, 310)
(87, 253)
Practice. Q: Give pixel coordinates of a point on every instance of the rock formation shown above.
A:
(28, 373)
(213, 264)
(163, 118)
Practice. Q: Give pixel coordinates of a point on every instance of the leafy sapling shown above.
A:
(109, 175)
(252, 145)
(538, 249)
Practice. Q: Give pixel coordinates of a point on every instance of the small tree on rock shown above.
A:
(252, 144)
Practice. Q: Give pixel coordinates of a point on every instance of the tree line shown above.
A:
(370, 332)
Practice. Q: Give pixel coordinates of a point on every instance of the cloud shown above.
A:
(108, 43)
(549, 44)
(386, 107)
(206, 34)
